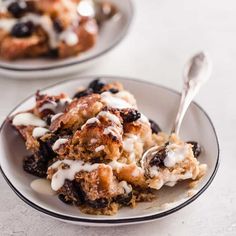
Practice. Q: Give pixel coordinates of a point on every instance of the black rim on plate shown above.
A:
(124, 220)
(91, 58)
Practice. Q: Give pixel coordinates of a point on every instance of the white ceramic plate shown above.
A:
(110, 34)
(159, 104)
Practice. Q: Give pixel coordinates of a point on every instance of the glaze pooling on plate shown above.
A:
(91, 174)
(42, 186)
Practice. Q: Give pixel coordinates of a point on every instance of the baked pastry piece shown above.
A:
(54, 28)
(90, 148)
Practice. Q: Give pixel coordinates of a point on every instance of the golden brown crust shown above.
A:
(86, 41)
(30, 142)
(12, 48)
(110, 210)
(77, 112)
(99, 183)
(43, 99)
(132, 174)
(92, 143)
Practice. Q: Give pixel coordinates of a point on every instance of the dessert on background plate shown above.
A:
(50, 28)
(90, 148)
(63, 46)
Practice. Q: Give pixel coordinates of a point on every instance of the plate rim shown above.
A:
(78, 62)
(129, 220)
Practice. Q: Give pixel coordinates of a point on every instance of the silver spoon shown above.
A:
(196, 72)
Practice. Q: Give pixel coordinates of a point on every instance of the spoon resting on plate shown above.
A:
(196, 72)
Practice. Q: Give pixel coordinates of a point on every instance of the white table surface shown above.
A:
(163, 35)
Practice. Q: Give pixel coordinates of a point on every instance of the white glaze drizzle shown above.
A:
(91, 27)
(58, 143)
(49, 105)
(7, 24)
(75, 166)
(39, 132)
(5, 4)
(114, 102)
(46, 23)
(56, 107)
(26, 119)
(69, 37)
(110, 116)
(86, 8)
(129, 141)
(56, 116)
(99, 148)
(144, 119)
(127, 187)
(90, 121)
(64, 101)
(126, 96)
(153, 171)
(93, 140)
(115, 165)
(115, 131)
(175, 154)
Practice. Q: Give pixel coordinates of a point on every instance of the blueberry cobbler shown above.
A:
(90, 146)
(52, 28)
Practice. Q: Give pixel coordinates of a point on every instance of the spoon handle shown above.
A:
(187, 96)
(196, 73)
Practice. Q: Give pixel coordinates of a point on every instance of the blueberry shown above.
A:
(83, 93)
(57, 26)
(35, 165)
(196, 148)
(24, 29)
(97, 160)
(45, 148)
(98, 203)
(155, 127)
(130, 115)
(49, 120)
(96, 85)
(159, 157)
(124, 199)
(63, 198)
(53, 53)
(18, 8)
(71, 192)
(113, 90)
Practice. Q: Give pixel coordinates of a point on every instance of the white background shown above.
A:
(164, 34)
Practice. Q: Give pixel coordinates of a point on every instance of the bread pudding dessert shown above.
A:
(52, 28)
(90, 147)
